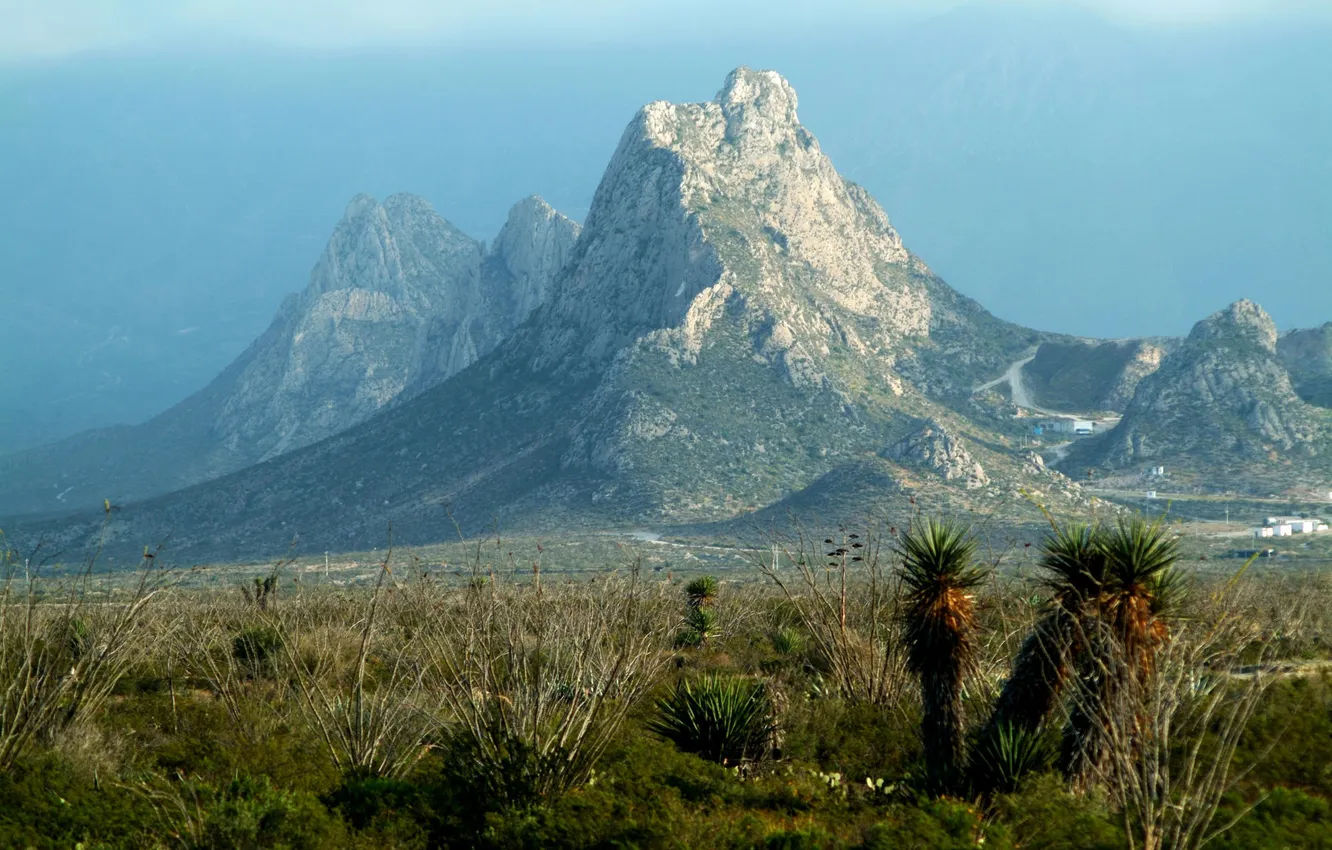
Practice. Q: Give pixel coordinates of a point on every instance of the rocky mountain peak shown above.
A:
(531, 248)
(757, 102)
(1242, 320)
(400, 248)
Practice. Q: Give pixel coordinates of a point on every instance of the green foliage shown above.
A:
(1286, 818)
(936, 825)
(251, 812)
(726, 719)
(1003, 760)
(788, 641)
(256, 647)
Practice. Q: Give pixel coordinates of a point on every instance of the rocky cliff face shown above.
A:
(1223, 396)
(510, 280)
(398, 301)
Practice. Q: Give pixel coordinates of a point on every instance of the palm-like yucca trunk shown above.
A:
(940, 576)
(1073, 567)
(1121, 634)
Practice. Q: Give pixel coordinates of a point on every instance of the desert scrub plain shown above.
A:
(875, 688)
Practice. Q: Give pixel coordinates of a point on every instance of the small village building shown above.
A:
(1264, 531)
(1282, 530)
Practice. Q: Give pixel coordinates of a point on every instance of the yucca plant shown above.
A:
(939, 577)
(729, 720)
(700, 626)
(701, 592)
(1121, 634)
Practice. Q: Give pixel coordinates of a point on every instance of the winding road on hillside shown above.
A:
(1022, 398)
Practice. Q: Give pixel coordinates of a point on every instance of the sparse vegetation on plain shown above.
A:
(874, 688)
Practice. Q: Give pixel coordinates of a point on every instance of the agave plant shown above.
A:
(788, 641)
(939, 576)
(728, 720)
(1122, 633)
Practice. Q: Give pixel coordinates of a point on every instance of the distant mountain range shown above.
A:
(737, 333)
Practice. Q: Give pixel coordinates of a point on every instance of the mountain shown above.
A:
(1307, 355)
(1219, 413)
(735, 321)
(399, 300)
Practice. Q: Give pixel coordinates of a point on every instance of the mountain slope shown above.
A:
(734, 321)
(1307, 354)
(1090, 375)
(399, 300)
(1220, 411)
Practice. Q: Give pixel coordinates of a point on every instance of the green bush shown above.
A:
(256, 647)
(251, 812)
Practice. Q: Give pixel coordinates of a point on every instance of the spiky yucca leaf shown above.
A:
(939, 576)
(728, 720)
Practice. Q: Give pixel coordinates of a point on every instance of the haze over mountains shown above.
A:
(399, 301)
(1070, 174)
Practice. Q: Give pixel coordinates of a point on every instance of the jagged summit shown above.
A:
(1242, 320)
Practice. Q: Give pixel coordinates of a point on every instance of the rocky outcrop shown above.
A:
(511, 280)
(398, 301)
(1091, 375)
(934, 447)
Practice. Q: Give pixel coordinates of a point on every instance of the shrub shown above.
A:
(728, 720)
(256, 647)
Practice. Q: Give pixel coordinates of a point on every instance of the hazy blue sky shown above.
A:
(46, 29)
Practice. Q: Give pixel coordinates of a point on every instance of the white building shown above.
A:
(1282, 530)
(1303, 526)
(1265, 531)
